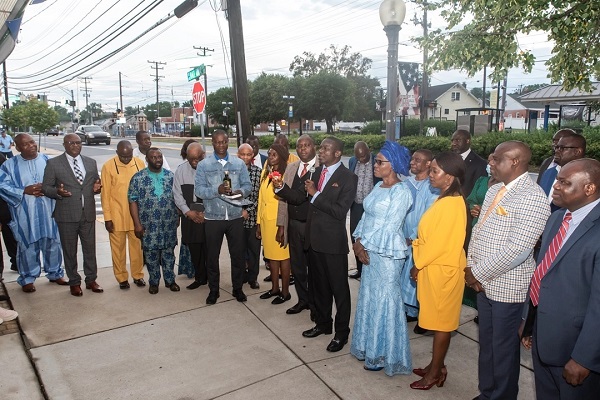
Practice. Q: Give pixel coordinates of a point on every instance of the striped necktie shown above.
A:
(540, 271)
(322, 179)
(78, 173)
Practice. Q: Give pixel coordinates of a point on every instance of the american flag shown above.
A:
(408, 88)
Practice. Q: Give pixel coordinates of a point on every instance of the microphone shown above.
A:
(311, 170)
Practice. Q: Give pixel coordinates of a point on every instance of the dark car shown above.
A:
(92, 134)
(52, 132)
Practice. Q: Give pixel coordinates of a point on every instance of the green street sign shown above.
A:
(196, 72)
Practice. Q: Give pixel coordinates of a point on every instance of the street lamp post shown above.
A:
(226, 110)
(290, 109)
(391, 13)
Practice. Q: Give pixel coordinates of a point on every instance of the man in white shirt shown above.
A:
(144, 143)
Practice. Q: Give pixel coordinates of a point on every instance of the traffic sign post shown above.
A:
(198, 97)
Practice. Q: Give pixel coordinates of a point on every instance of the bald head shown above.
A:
(362, 152)
(194, 154)
(510, 160)
(577, 184)
(123, 144)
(125, 151)
(246, 153)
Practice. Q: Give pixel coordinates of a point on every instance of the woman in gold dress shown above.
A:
(272, 228)
(440, 261)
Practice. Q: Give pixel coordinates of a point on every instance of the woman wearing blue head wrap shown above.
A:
(380, 335)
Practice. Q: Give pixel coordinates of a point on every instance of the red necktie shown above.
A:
(548, 259)
(303, 170)
(322, 179)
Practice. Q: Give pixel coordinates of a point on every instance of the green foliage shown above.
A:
(333, 60)
(491, 38)
(215, 107)
(33, 113)
(324, 97)
(266, 98)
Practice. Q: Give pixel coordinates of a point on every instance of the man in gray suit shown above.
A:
(72, 179)
(562, 310)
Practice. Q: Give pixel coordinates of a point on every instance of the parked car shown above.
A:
(272, 128)
(92, 134)
(52, 132)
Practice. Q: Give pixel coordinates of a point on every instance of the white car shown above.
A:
(272, 128)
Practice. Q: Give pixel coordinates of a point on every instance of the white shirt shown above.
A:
(257, 160)
(578, 216)
(310, 164)
(552, 187)
(330, 170)
(465, 154)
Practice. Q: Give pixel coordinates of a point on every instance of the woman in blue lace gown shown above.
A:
(380, 335)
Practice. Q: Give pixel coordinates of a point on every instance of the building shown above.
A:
(445, 100)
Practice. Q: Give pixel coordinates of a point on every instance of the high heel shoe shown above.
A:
(269, 294)
(439, 382)
(280, 299)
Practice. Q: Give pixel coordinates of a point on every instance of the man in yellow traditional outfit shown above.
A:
(116, 174)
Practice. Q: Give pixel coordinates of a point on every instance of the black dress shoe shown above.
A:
(355, 275)
(411, 319)
(280, 299)
(212, 298)
(153, 289)
(336, 345)
(139, 282)
(269, 294)
(297, 308)
(476, 319)
(254, 285)
(124, 285)
(419, 331)
(174, 287)
(292, 280)
(194, 285)
(316, 331)
(239, 295)
(267, 278)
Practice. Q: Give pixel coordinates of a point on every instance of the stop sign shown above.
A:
(198, 97)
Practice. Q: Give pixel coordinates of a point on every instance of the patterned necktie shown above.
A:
(497, 199)
(78, 173)
(322, 179)
(548, 259)
(304, 170)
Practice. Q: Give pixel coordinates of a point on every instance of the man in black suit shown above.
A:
(475, 165)
(550, 162)
(72, 179)
(298, 202)
(327, 242)
(562, 310)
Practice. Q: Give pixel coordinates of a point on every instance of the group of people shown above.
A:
(428, 232)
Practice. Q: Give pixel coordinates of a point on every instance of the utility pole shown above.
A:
(233, 12)
(122, 127)
(484, 81)
(5, 85)
(156, 78)
(87, 95)
(204, 116)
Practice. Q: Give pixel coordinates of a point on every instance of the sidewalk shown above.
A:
(128, 344)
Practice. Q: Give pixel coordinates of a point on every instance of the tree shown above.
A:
(324, 97)
(478, 92)
(334, 60)
(491, 38)
(130, 111)
(35, 114)
(63, 114)
(215, 109)
(266, 98)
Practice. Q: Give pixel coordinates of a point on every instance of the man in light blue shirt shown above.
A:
(222, 215)
(6, 142)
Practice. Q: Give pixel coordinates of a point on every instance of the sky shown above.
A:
(61, 42)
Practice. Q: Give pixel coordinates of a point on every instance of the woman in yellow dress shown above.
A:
(439, 264)
(272, 228)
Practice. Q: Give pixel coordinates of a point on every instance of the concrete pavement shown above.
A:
(128, 344)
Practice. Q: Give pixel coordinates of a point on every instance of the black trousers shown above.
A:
(299, 261)
(198, 256)
(356, 213)
(11, 247)
(252, 254)
(329, 275)
(234, 231)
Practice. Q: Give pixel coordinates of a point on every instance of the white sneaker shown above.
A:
(7, 315)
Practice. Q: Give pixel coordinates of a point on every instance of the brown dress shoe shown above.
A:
(29, 288)
(60, 281)
(76, 290)
(94, 286)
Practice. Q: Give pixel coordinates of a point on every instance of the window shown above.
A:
(446, 111)
(455, 96)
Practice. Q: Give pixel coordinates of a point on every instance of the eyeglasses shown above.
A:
(561, 148)
(78, 143)
(379, 162)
